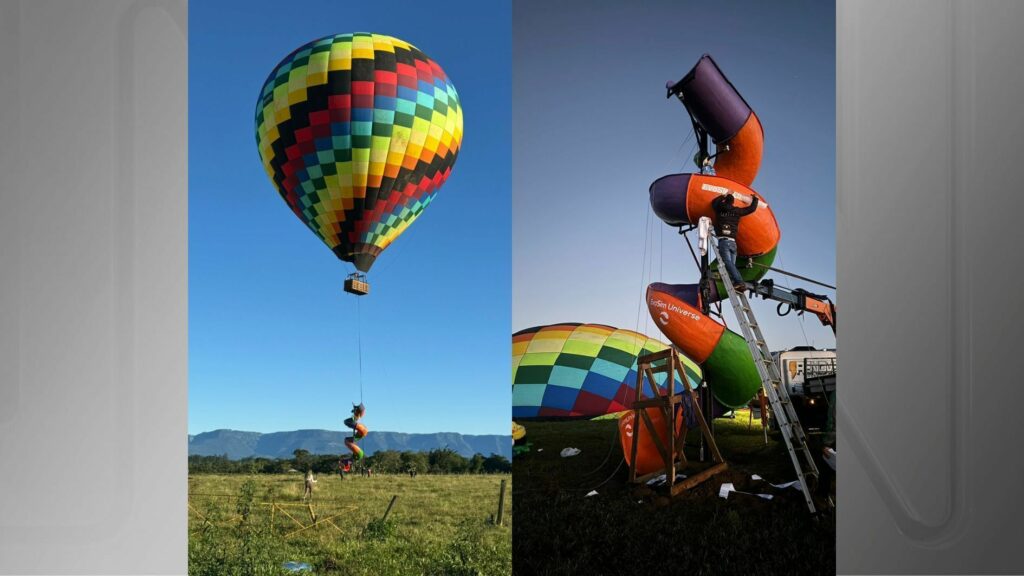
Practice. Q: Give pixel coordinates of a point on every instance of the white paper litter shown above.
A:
(540, 449)
(783, 486)
(568, 452)
(659, 480)
(592, 493)
(728, 487)
(723, 492)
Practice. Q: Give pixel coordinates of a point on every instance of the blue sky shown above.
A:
(272, 338)
(593, 129)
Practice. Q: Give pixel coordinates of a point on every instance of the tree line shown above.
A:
(438, 461)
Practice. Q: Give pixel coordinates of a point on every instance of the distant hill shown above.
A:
(238, 444)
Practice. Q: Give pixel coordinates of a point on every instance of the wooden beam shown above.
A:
(699, 477)
(653, 403)
(655, 356)
(653, 383)
(671, 464)
(712, 445)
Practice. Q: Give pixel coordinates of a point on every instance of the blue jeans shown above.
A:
(727, 252)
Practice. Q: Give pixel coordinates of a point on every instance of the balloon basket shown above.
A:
(356, 284)
(665, 432)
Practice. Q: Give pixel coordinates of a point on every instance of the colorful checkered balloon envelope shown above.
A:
(358, 132)
(580, 370)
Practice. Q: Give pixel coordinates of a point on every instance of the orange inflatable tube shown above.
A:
(648, 458)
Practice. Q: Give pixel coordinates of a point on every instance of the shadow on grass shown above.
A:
(559, 530)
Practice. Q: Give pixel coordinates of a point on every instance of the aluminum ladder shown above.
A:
(771, 381)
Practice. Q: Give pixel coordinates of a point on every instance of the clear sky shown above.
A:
(593, 129)
(272, 337)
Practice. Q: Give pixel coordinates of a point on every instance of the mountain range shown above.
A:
(239, 444)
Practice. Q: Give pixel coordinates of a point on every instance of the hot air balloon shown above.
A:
(358, 132)
(580, 370)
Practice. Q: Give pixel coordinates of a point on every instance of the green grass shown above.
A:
(560, 531)
(439, 525)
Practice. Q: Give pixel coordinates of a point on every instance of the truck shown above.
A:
(809, 375)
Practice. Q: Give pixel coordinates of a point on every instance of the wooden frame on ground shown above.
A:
(669, 404)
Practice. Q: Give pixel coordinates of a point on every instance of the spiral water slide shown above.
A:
(717, 110)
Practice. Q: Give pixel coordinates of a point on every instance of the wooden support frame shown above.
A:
(672, 455)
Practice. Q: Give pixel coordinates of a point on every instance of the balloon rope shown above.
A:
(359, 337)
(643, 275)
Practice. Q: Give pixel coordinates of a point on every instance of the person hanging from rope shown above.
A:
(727, 226)
(358, 433)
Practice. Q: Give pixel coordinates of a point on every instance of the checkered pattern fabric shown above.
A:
(580, 370)
(358, 132)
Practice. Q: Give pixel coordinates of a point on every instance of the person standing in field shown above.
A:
(727, 227)
(310, 481)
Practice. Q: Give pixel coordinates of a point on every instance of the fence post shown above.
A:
(388, 511)
(501, 502)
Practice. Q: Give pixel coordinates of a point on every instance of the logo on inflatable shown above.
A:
(666, 308)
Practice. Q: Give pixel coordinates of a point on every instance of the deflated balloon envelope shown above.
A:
(358, 132)
(580, 370)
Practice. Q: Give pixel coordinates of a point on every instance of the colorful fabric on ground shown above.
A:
(358, 132)
(580, 370)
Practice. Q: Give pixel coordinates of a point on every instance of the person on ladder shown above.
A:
(358, 433)
(727, 226)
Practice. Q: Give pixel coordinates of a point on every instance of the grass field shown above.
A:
(251, 525)
(561, 531)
